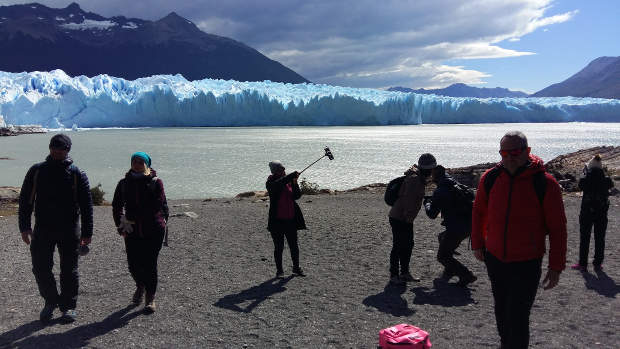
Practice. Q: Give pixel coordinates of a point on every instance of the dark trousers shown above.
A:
(449, 241)
(514, 286)
(278, 244)
(42, 249)
(142, 254)
(402, 245)
(586, 221)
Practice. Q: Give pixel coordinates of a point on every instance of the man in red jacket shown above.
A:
(513, 212)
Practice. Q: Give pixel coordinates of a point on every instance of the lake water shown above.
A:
(222, 162)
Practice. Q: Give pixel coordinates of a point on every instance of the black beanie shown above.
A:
(61, 141)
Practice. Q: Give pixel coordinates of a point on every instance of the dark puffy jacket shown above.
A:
(456, 217)
(275, 185)
(142, 200)
(57, 203)
(510, 221)
(595, 186)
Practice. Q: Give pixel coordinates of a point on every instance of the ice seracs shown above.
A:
(56, 100)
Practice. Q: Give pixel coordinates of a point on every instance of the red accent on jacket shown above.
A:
(510, 222)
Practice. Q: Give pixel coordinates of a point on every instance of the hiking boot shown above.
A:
(47, 312)
(407, 277)
(68, 316)
(298, 272)
(579, 267)
(149, 303)
(136, 299)
(466, 280)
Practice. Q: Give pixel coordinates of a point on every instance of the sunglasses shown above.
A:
(511, 152)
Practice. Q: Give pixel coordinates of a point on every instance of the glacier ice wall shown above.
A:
(55, 100)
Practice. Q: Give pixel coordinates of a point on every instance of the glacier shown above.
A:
(55, 100)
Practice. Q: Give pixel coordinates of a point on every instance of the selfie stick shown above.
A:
(329, 155)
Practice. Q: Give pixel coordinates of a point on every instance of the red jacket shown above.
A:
(510, 222)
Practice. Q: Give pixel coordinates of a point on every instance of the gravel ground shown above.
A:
(217, 288)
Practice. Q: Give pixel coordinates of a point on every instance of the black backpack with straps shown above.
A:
(392, 189)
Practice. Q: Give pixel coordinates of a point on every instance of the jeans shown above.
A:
(278, 243)
(42, 249)
(586, 221)
(514, 286)
(402, 245)
(448, 243)
(142, 254)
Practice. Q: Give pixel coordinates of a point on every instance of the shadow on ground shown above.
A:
(77, 337)
(390, 301)
(443, 294)
(601, 283)
(256, 294)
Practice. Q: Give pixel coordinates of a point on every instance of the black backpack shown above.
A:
(392, 189)
(463, 197)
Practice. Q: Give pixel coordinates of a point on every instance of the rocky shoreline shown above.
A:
(16, 130)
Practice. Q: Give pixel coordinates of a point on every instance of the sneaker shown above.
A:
(149, 303)
(298, 272)
(578, 267)
(598, 267)
(47, 312)
(279, 274)
(396, 281)
(68, 316)
(466, 280)
(407, 277)
(136, 299)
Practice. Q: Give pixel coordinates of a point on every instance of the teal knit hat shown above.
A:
(142, 155)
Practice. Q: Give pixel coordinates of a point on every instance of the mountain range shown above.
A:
(462, 90)
(36, 37)
(600, 78)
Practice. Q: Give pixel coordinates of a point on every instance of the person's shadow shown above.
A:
(256, 294)
(390, 301)
(601, 283)
(77, 337)
(443, 294)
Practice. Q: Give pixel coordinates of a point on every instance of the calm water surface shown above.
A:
(219, 162)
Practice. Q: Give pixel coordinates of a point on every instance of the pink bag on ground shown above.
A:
(404, 336)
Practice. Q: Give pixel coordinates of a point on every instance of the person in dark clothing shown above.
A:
(59, 193)
(594, 206)
(140, 212)
(456, 215)
(285, 216)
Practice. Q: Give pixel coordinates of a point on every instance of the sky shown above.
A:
(523, 45)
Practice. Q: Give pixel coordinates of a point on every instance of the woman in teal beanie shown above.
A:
(140, 212)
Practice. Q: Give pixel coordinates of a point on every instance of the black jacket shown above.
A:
(57, 202)
(595, 186)
(143, 201)
(274, 188)
(456, 217)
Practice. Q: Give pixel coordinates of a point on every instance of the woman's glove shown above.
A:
(126, 226)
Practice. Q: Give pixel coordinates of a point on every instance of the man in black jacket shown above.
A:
(455, 210)
(59, 193)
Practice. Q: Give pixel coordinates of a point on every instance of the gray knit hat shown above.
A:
(275, 166)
